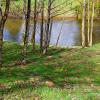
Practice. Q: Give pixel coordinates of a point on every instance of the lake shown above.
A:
(70, 32)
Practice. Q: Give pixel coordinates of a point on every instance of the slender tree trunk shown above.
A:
(50, 30)
(83, 23)
(27, 27)
(24, 9)
(42, 27)
(88, 34)
(47, 27)
(1, 41)
(35, 22)
(92, 22)
(59, 34)
(2, 23)
(48, 21)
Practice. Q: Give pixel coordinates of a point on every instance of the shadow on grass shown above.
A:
(62, 71)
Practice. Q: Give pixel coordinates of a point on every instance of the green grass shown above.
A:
(75, 72)
(45, 93)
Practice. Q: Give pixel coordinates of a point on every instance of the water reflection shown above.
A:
(70, 32)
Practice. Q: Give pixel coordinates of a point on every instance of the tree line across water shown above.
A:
(45, 11)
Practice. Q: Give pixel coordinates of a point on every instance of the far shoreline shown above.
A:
(57, 18)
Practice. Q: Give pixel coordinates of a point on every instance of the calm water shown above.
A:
(70, 32)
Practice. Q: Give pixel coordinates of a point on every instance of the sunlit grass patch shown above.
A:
(45, 93)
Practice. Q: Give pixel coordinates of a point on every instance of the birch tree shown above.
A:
(83, 23)
(92, 23)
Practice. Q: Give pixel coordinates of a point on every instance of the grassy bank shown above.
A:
(63, 74)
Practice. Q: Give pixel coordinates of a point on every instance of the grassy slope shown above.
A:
(65, 67)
